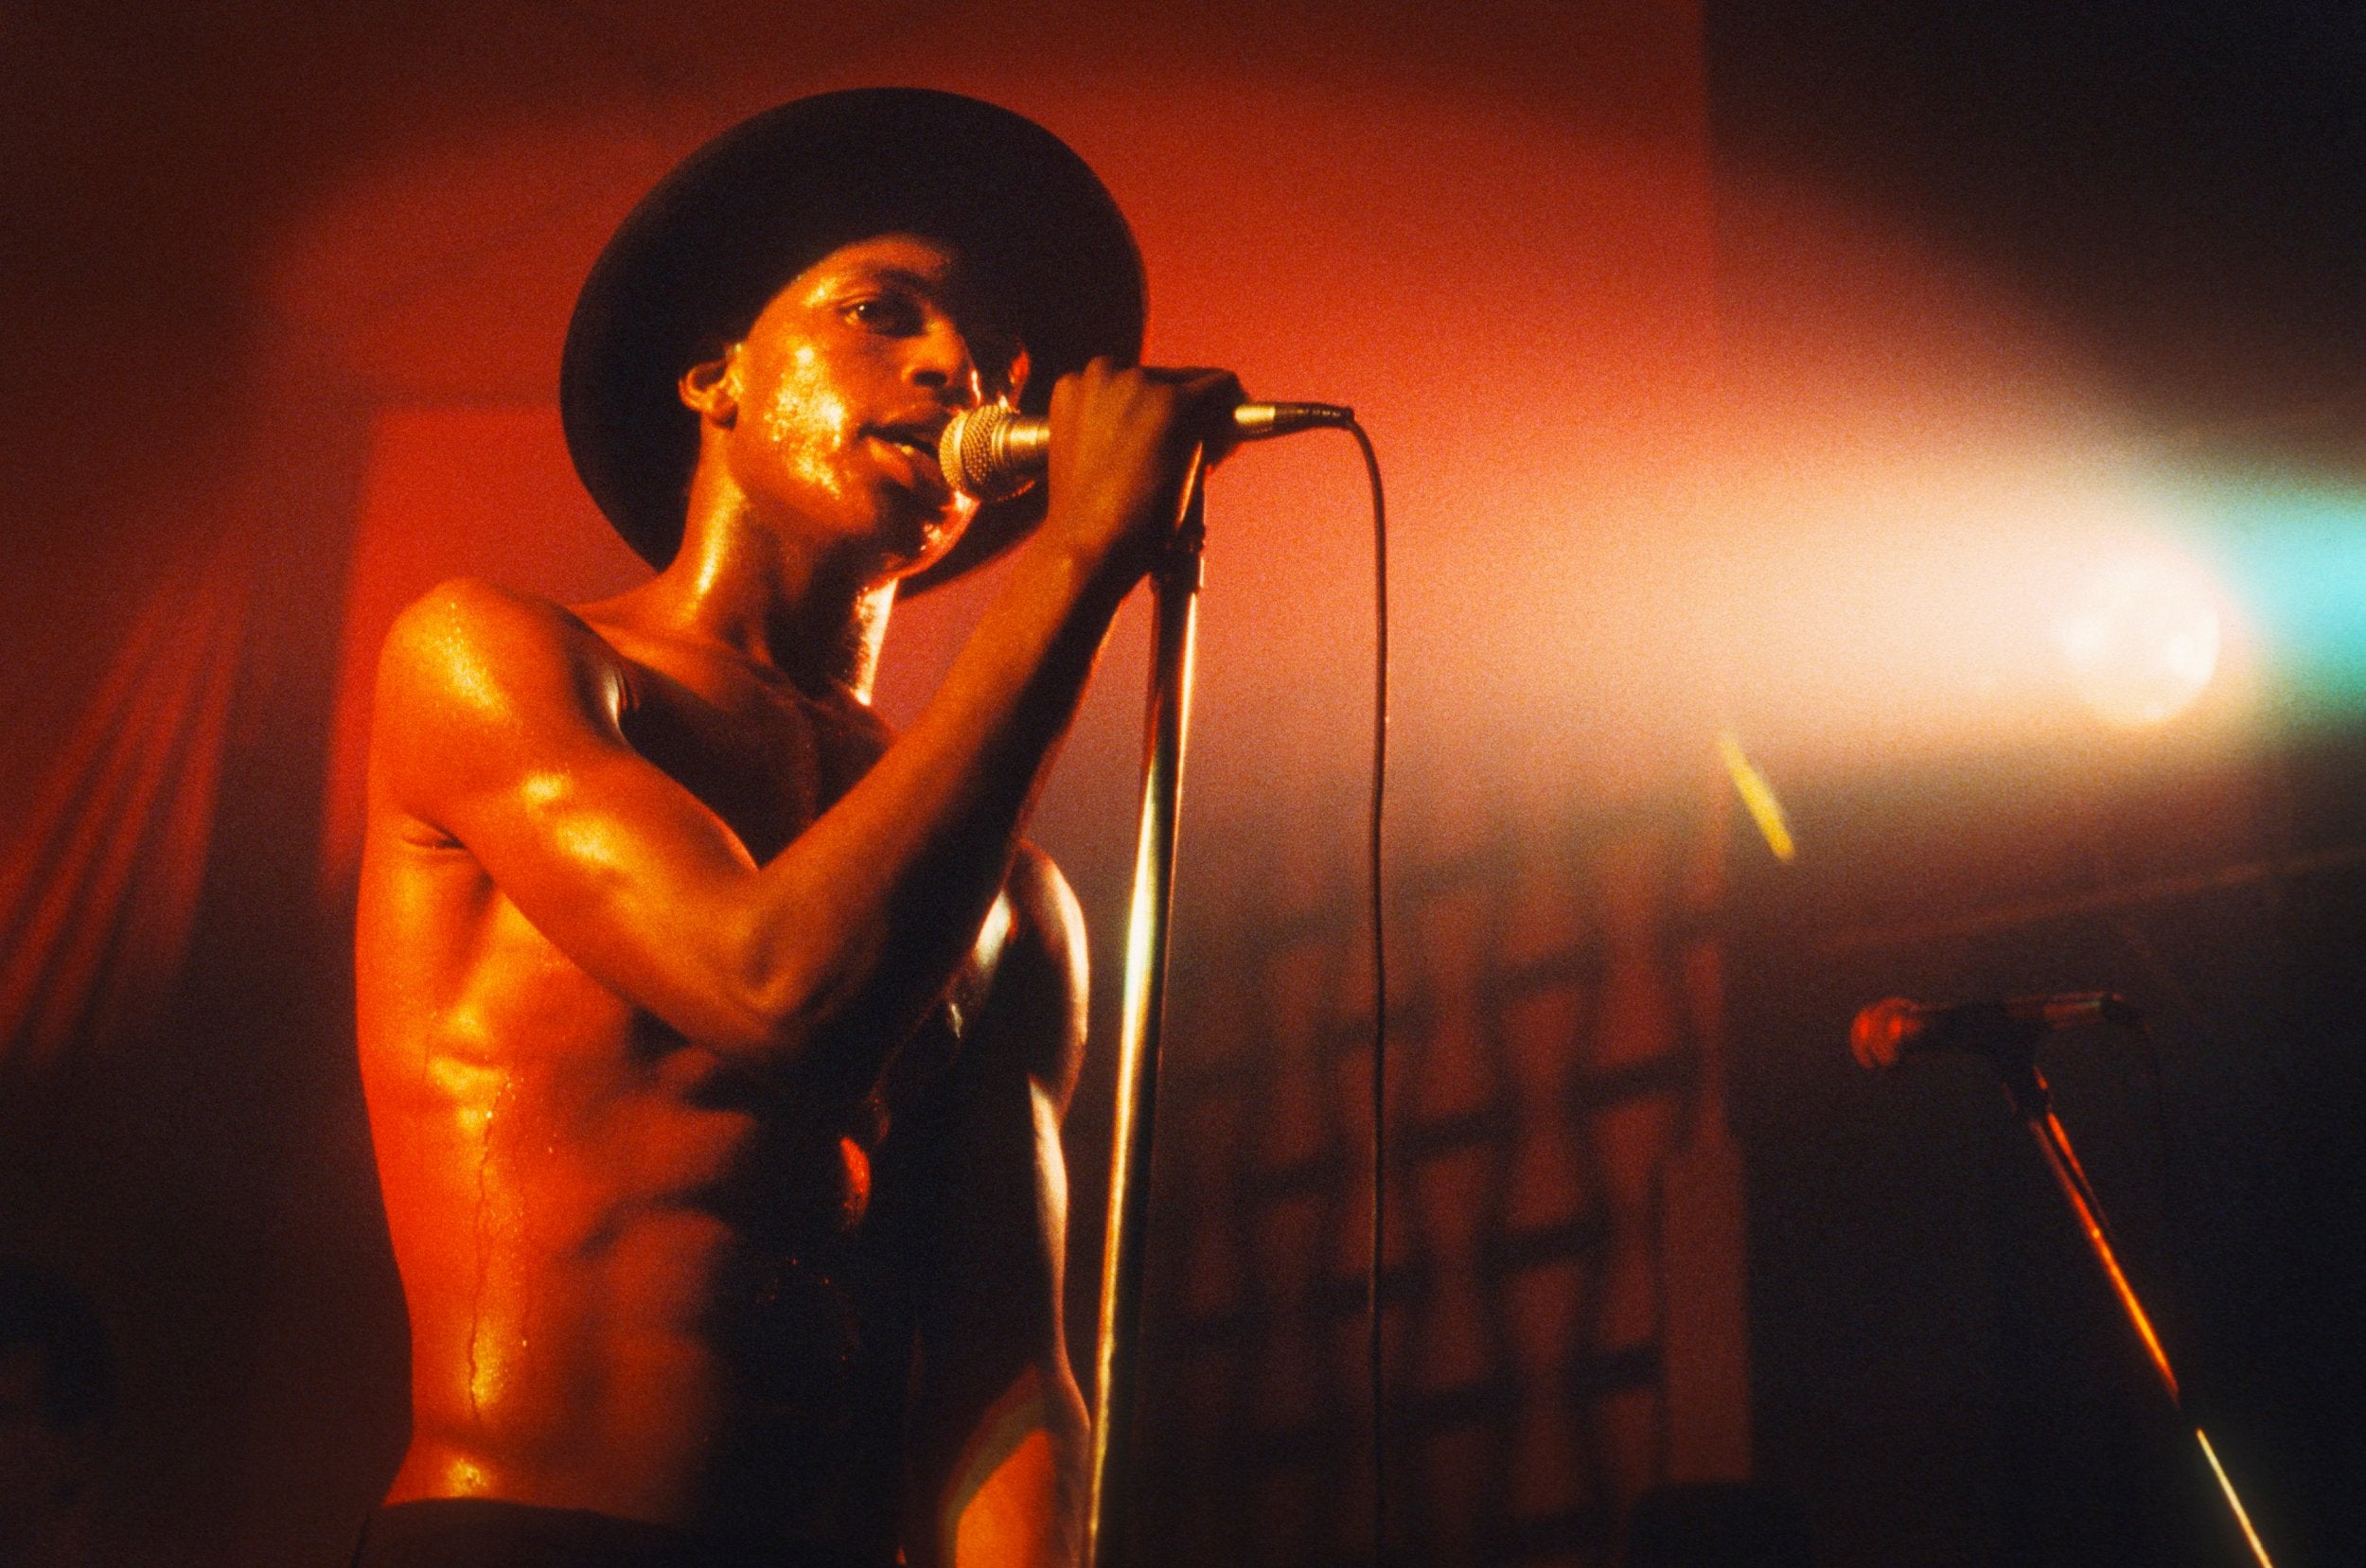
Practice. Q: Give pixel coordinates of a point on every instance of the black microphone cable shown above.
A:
(1374, 1368)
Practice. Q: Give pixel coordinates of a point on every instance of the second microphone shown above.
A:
(995, 452)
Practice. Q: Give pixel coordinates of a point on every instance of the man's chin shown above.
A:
(919, 539)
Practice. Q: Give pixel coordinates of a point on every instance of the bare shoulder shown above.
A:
(475, 641)
(1041, 981)
(474, 674)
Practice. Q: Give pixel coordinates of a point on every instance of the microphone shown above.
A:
(995, 452)
(1896, 1026)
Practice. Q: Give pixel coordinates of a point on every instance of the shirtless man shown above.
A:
(715, 1039)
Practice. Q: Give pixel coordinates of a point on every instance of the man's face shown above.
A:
(837, 394)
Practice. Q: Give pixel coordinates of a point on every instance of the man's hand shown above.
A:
(1123, 441)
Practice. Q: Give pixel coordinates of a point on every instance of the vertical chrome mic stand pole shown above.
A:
(1109, 1507)
(2035, 1101)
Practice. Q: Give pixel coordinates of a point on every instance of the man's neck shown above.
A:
(734, 587)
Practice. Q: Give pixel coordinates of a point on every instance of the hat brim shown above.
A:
(693, 264)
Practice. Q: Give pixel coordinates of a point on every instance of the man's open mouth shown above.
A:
(918, 439)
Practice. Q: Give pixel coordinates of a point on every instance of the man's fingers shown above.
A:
(1204, 385)
(1213, 394)
(1122, 449)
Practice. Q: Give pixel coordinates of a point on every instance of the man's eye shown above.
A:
(882, 315)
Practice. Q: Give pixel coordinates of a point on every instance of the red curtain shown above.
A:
(100, 881)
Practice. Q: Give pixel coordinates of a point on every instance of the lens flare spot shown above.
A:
(1758, 795)
(2140, 635)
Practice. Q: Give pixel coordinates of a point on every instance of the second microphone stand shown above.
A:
(2027, 1085)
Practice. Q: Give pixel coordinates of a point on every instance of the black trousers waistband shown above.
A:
(476, 1532)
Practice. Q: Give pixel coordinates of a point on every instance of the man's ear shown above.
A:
(712, 388)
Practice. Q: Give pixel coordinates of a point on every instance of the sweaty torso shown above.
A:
(642, 1280)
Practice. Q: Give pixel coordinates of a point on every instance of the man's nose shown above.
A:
(941, 361)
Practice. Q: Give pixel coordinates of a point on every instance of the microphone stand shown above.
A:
(1110, 1502)
(2034, 1101)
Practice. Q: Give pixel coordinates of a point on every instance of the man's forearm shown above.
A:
(864, 917)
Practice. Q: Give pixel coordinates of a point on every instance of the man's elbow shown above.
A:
(773, 998)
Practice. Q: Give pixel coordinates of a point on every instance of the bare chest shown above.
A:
(766, 760)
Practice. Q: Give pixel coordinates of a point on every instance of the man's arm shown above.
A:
(500, 725)
(998, 1434)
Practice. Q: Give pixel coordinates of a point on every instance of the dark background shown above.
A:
(2175, 182)
(2180, 187)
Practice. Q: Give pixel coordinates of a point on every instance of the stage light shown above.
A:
(2141, 635)
(2293, 555)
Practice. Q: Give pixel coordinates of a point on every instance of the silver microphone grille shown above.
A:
(973, 452)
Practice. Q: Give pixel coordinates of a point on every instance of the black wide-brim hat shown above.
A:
(691, 268)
